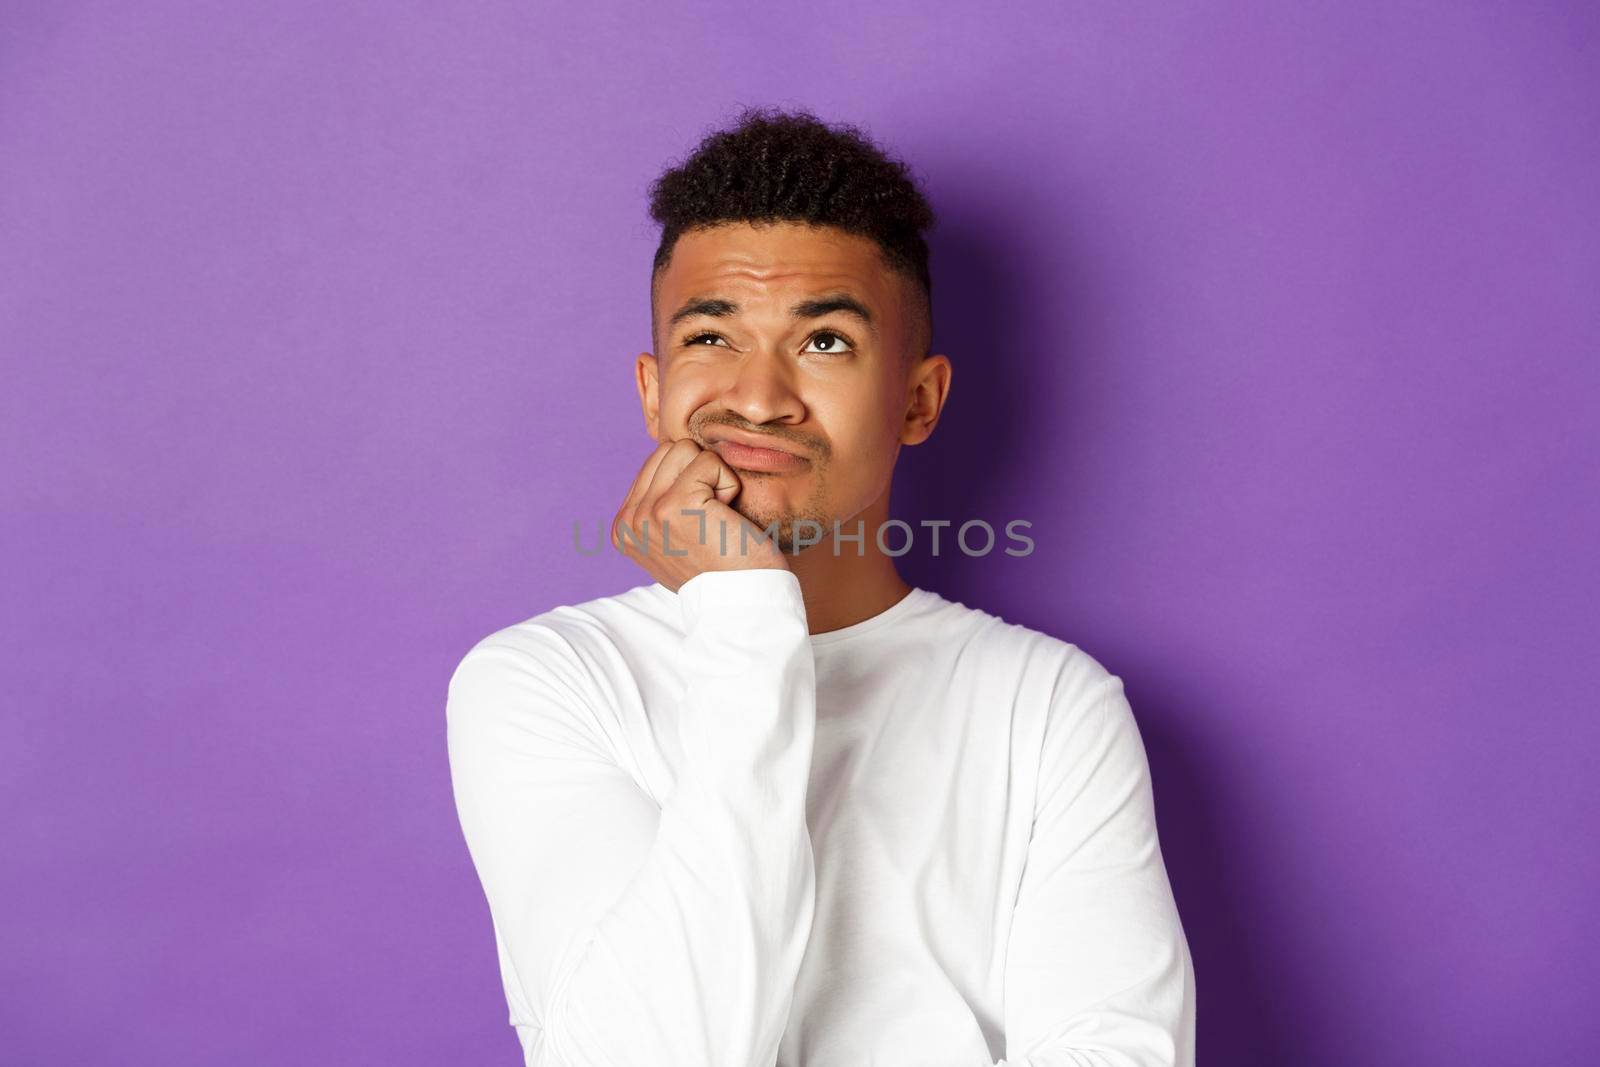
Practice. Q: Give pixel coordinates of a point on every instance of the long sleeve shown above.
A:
(1098, 971)
(630, 933)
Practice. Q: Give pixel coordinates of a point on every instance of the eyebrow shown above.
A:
(805, 309)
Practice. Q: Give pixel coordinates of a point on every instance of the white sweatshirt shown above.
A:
(709, 838)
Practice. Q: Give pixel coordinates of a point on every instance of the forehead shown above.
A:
(759, 260)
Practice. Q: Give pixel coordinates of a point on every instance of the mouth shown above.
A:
(744, 456)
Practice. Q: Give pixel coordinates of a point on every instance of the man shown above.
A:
(778, 806)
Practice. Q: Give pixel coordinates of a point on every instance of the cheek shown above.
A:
(863, 437)
(869, 454)
(681, 396)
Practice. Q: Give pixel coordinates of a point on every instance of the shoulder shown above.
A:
(1091, 744)
(1072, 675)
(1079, 702)
(553, 675)
(570, 639)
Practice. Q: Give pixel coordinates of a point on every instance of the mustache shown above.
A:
(811, 445)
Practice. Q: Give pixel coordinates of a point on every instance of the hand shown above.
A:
(679, 480)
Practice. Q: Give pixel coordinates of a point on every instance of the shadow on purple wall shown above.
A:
(997, 299)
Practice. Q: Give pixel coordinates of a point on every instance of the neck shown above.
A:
(845, 583)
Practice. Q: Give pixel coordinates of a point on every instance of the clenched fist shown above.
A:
(682, 496)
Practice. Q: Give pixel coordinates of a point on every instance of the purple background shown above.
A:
(1278, 321)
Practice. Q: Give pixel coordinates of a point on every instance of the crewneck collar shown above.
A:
(894, 612)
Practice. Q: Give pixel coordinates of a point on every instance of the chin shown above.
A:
(756, 498)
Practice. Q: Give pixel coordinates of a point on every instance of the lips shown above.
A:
(749, 452)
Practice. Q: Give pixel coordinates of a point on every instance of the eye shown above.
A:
(833, 349)
(696, 337)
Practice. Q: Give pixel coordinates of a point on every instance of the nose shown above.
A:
(762, 389)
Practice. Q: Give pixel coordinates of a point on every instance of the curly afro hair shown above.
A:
(773, 166)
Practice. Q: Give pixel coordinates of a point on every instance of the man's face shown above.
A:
(749, 348)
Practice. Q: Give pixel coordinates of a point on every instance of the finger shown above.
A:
(675, 455)
(641, 480)
(629, 508)
(706, 490)
(681, 453)
(707, 477)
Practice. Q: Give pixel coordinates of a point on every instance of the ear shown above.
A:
(646, 371)
(927, 388)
